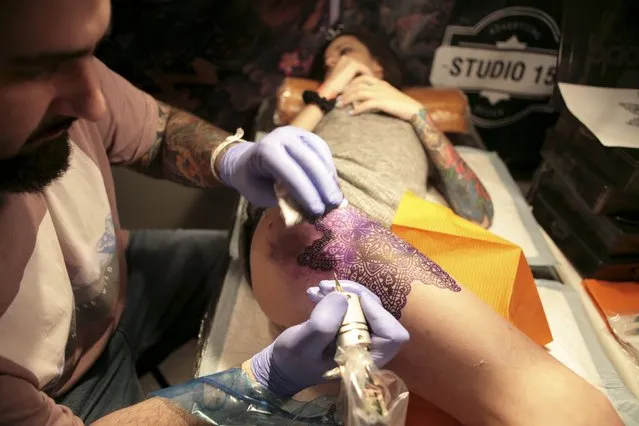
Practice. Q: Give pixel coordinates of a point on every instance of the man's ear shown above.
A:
(378, 70)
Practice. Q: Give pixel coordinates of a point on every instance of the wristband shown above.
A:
(311, 97)
(230, 140)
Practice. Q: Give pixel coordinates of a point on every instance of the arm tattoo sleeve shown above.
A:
(460, 185)
(361, 250)
(182, 149)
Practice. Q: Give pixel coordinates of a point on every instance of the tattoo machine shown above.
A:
(289, 210)
(371, 396)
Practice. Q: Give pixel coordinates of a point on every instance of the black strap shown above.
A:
(313, 98)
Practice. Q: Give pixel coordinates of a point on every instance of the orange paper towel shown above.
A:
(493, 268)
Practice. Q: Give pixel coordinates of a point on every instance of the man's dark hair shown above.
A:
(377, 46)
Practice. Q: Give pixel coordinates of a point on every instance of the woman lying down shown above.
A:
(381, 139)
(463, 357)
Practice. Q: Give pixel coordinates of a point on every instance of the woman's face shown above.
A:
(350, 46)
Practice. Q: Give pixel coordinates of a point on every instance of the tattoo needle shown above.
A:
(338, 286)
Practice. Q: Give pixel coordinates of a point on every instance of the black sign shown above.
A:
(505, 63)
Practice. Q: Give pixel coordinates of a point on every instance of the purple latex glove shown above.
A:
(302, 354)
(299, 160)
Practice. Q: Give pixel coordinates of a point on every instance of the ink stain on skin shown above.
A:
(358, 249)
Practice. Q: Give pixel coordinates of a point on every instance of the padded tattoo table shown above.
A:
(237, 328)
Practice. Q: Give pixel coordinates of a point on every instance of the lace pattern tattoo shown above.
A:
(358, 249)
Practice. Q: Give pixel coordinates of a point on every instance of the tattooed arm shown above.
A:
(155, 411)
(457, 181)
(182, 149)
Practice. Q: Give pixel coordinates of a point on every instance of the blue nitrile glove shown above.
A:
(302, 354)
(299, 160)
(387, 334)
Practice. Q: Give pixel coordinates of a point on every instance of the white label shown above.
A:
(514, 72)
(612, 115)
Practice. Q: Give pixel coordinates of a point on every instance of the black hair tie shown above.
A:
(313, 98)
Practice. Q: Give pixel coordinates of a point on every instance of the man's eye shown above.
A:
(345, 50)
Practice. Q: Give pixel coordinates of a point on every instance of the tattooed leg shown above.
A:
(360, 250)
(346, 243)
(462, 356)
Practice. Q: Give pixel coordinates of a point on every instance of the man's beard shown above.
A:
(34, 171)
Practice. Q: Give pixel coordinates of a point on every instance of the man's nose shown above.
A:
(80, 94)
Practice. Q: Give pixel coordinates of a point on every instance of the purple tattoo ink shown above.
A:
(359, 249)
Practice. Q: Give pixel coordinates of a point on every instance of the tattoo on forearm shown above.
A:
(151, 162)
(361, 250)
(461, 186)
(182, 148)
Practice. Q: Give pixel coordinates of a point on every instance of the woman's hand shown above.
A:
(367, 93)
(344, 72)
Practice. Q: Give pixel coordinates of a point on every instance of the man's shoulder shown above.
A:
(129, 125)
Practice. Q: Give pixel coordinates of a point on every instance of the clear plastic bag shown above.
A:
(370, 396)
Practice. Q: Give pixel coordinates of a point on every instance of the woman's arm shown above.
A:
(311, 115)
(458, 182)
(345, 70)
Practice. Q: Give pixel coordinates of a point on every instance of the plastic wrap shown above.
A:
(626, 328)
(232, 398)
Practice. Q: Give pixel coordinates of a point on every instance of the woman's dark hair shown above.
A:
(377, 46)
